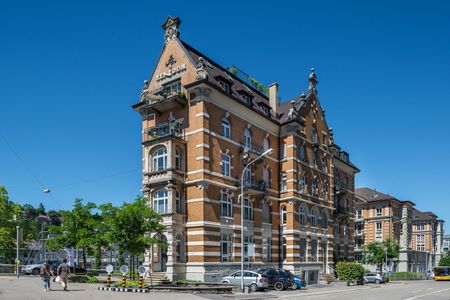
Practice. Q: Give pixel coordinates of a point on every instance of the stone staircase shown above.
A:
(326, 278)
(156, 278)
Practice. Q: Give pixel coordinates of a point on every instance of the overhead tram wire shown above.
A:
(25, 165)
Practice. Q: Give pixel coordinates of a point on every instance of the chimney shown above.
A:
(273, 97)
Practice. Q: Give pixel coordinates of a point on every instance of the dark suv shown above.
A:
(279, 279)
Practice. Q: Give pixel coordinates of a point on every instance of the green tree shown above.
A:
(375, 253)
(8, 223)
(78, 229)
(445, 261)
(133, 226)
(350, 272)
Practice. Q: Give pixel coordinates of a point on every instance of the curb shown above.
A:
(121, 289)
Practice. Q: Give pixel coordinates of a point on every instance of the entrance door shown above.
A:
(163, 255)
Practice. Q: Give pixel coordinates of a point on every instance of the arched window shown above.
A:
(283, 182)
(247, 138)
(266, 213)
(314, 187)
(248, 176)
(266, 144)
(160, 201)
(226, 129)
(179, 248)
(302, 183)
(283, 248)
(283, 215)
(283, 150)
(302, 154)
(226, 165)
(302, 216)
(336, 228)
(314, 159)
(314, 137)
(324, 220)
(226, 206)
(178, 159)
(178, 202)
(159, 159)
(313, 218)
(248, 210)
(266, 177)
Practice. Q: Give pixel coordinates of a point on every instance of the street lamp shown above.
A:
(267, 152)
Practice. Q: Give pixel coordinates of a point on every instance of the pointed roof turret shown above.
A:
(312, 81)
(171, 28)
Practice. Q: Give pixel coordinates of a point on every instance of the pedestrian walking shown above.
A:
(46, 273)
(63, 272)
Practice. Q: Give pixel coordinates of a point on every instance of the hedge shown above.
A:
(350, 272)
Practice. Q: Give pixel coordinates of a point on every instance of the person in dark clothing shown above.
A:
(46, 273)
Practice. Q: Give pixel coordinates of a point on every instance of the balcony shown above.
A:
(163, 176)
(341, 211)
(160, 104)
(167, 129)
(340, 189)
(359, 233)
(256, 187)
(251, 151)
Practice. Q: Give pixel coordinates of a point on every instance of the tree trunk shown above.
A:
(84, 259)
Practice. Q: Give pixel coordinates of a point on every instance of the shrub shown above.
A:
(350, 272)
(92, 279)
(130, 283)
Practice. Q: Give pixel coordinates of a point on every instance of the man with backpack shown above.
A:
(63, 273)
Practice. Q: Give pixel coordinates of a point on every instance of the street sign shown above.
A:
(142, 270)
(109, 269)
(124, 269)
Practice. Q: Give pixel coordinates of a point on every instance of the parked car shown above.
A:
(279, 279)
(254, 280)
(34, 269)
(298, 283)
(374, 277)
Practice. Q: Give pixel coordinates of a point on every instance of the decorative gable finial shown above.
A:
(171, 27)
(312, 81)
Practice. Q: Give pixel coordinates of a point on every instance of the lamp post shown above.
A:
(17, 250)
(267, 152)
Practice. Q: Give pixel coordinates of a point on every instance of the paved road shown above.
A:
(412, 290)
(31, 288)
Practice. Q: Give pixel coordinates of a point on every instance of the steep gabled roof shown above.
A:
(371, 195)
(418, 215)
(216, 72)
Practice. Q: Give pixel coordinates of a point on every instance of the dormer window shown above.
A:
(171, 89)
(225, 86)
(265, 110)
(247, 99)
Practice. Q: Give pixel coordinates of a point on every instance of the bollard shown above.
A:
(108, 280)
(141, 283)
(124, 280)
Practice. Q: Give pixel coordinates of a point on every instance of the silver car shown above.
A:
(374, 277)
(252, 279)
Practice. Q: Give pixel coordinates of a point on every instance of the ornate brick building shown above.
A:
(201, 123)
(381, 216)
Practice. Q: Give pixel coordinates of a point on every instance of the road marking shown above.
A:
(324, 293)
(417, 291)
(427, 294)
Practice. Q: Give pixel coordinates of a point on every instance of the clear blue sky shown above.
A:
(70, 71)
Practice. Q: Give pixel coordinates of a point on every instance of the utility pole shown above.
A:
(17, 250)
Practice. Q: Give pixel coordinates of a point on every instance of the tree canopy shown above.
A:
(375, 252)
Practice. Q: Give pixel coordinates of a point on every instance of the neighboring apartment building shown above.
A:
(446, 245)
(380, 216)
(201, 123)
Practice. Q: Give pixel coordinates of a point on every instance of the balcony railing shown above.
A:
(166, 129)
(163, 103)
(256, 185)
(252, 147)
